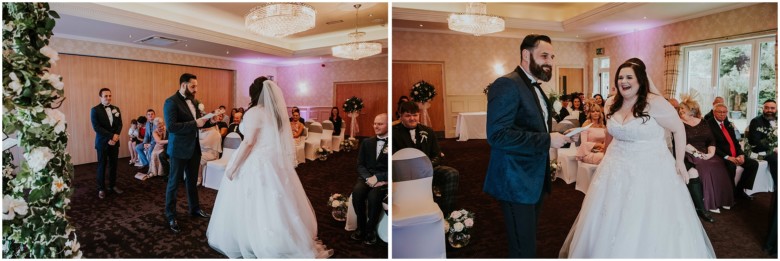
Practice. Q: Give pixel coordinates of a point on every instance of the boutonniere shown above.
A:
(424, 135)
(201, 107)
(115, 112)
(384, 151)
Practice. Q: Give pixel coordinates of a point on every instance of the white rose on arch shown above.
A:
(15, 85)
(13, 206)
(38, 158)
(51, 53)
(55, 118)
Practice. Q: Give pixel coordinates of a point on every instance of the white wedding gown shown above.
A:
(637, 206)
(264, 211)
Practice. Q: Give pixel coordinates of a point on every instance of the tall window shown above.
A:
(601, 78)
(742, 72)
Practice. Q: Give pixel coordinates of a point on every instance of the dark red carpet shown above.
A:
(737, 233)
(132, 225)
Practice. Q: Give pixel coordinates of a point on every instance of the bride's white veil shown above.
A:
(274, 108)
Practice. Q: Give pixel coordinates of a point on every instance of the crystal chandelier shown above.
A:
(280, 19)
(356, 48)
(476, 21)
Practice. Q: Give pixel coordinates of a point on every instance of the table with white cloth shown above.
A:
(764, 181)
(567, 158)
(471, 125)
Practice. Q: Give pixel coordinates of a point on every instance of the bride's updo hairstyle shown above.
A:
(644, 86)
(256, 90)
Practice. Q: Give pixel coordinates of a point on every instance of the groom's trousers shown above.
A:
(521, 222)
(107, 156)
(180, 167)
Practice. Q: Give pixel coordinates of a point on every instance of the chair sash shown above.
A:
(232, 141)
(315, 128)
(411, 164)
(327, 125)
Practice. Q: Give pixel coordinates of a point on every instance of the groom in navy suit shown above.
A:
(519, 120)
(107, 123)
(182, 119)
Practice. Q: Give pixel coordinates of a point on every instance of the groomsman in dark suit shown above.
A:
(757, 138)
(519, 122)
(411, 134)
(727, 147)
(371, 183)
(182, 119)
(107, 123)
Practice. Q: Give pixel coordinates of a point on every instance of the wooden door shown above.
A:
(406, 74)
(374, 96)
(571, 79)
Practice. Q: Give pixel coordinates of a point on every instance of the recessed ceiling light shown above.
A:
(227, 52)
(370, 15)
(644, 17)
(578, 36)
(421, 25)
(186, 45)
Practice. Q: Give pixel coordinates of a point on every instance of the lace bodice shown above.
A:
(636, 131)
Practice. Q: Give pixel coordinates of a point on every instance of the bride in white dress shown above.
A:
(637, 205)
(261, 210)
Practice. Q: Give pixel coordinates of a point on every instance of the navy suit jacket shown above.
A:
(368, 162)
(104, 130)
(755, 137)
(183, 140)
(519, 140)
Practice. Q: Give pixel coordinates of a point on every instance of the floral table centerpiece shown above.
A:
(339, 204)
(458, 226)
(347, 145)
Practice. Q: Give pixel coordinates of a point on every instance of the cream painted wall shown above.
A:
(648, 45)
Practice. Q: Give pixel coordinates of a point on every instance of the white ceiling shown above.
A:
(217, 29)
(585, 21)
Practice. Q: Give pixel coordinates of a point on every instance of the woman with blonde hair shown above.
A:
(591, 150)
(161, 138)
(710, 180)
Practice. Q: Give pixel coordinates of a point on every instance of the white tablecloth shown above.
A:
(763, 182)
(471, 125)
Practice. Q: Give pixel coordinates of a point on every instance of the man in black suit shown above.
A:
(182, 119)
(411, 134)
(107, 123)
(757, 138)
(727, 147)
(565, 99)
(718, 100)
(371, 183)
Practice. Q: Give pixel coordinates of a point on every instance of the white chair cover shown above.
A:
(585, 172)
(327, 134)
(418, 224)
(567, 158)
(351, 223)
(382, 226)
(313, 140)
(336, 142)
(215, 169)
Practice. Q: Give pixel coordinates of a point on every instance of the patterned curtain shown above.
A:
(672, 59)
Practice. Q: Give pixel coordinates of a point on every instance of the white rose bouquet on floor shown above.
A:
(458, 227)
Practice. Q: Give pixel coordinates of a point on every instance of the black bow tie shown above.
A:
(106, 106)
(537, 84)
(385, 139)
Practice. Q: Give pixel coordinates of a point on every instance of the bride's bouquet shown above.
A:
(458, 226)
(339, 204)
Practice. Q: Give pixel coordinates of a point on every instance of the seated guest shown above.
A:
(133, 133)
(706, 171)
(758, 131)
(241, 110)
(295, 109)
(297, 127)
(224, 109)
(577, 110)
(210, 147)
(411, 134)
(565, 110)
(592, 148)
(599, 100)
(145, 148)
(401, 99)
(336, 119)
(371, 185)
(234, 126)
(727, 147)
(161, 141)
(232, 115)
(221, 125)
(718, 100)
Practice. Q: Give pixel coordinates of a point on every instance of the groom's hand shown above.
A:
(557, 140)
(200, 122)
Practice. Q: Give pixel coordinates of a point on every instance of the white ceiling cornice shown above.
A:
(441, 17)
(499, 35)
(596, 14)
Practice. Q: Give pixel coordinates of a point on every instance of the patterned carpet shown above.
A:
(132, 225)
(737, 233)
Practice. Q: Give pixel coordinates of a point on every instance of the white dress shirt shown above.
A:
(540, 96)
(110, 115)
(380, 144)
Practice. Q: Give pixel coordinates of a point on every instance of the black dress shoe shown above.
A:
(370, 239)
(101, 194)
(200, 213)
(174, 226)
(116, 190)
(357, 235)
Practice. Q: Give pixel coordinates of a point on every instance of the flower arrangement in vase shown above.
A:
(339, 204)
(458, 227)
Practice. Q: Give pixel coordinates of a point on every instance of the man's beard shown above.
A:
(770, 116)
(189, 94)
(538, 71)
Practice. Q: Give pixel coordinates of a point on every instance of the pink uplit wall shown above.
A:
(245, 73)
(648, 45)
(472, 62)
(311, 85)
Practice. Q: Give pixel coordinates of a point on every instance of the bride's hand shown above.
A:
(682, 171)
(230, 172)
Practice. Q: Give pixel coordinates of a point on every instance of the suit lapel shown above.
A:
(530, 87)
(183, 105)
